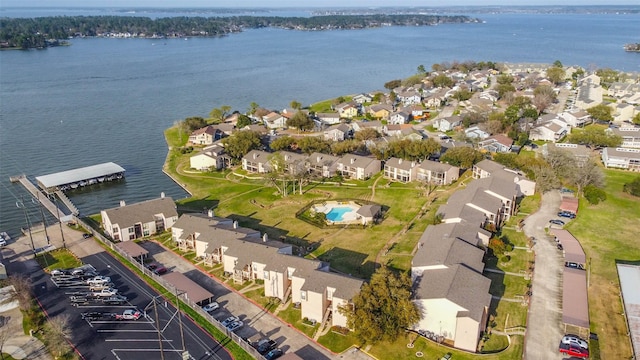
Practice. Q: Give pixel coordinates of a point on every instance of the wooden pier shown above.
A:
(43, 198)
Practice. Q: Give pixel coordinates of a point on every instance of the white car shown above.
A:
(575, 340)
(235, 325)
(129, 315)
(229, 320)
(211, 307)
(99, 280)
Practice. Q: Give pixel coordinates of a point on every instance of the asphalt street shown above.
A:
(108, 338)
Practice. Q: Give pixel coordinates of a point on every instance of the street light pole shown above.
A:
(180, 320)
(55, 200)
(44, 222)
(20, 204)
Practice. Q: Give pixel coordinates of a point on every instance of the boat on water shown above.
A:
(4, 236)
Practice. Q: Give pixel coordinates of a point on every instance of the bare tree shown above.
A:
(57, 331)
(22, 290)
(5, 334)
(561, 161)
(588, 174)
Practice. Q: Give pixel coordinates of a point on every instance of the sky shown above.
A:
(295, 3)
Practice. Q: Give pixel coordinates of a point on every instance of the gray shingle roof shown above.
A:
(142, 212)
(345, 287)
(435, 166)
(398, 163)
(458, 284)
(438, 247)
(369, 210)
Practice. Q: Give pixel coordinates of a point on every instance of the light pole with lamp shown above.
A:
(20, 205)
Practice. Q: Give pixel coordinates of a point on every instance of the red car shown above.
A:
(574, 350)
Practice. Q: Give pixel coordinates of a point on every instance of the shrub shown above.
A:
(505, 259)
(633, 187)
(594, 195)
(497, 246)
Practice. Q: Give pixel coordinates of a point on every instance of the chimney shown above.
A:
(318, 158)
(235, 224)
(255, 155)
(353, 160)
(162, 195)
(210, 213)
(399, 161)
(265, 237)
(122, 203)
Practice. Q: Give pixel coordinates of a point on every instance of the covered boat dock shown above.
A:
(72, 179)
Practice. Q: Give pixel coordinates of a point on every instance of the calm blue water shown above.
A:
(336, 213)
(103, 100)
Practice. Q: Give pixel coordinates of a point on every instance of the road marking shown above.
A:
(137, 340)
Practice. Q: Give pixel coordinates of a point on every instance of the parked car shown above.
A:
(229, 320)
(213, 306)
(87, 235)
(79, 300)
(567, 214)
(266, 345)
(573, 265)
(96, 315)
(274, 354)
(235, 325)
(557, 222)
(160, 270)
(60, 272)
(129, 314)
(560, 247)
(575, 339)
(115, 300)
(152, 266)
(574, 350)
(99, 280)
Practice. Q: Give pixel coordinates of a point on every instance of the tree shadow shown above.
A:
(191, 205)
(350, 262)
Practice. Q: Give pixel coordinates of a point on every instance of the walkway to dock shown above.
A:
(44, 199)
(67, 202)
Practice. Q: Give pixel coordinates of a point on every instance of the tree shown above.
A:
(556, 74)
(22, 290)
(542, 101)
(504, 89)
(561, 161)
(594, 195)
(367, 134)
(390, 85)
(295, 105)
(383, 309)
(636, 119)
(218, 115)
(421, 69)
(253, 107)
(462, 94)
(282, 143)
(595, 136)
(632, 187)
(277, 175)
(193, 123)
(464, 157)
(311, 144)
(241, 142)
(587, 174)
(557, 64)
(442, 80)
(243, 120)
(301, 121)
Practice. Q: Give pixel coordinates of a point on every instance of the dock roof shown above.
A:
(79, 174)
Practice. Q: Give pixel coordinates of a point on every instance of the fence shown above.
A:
(243, 343)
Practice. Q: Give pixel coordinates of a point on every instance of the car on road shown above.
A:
(213, 306)
(560, 247)
(573, 350)
(129, 314)
(274, 354)
(87, 235)
(556, 222)
(573, 265)
(265, 345)
(567, 214)
(575, 339)
(229, 320)
(235, 325)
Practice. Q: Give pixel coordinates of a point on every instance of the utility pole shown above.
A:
(185, 354)
(155, 309)
(55, 200)
(20, 204)
(44, 222)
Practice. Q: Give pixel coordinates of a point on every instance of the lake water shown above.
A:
(103, 100)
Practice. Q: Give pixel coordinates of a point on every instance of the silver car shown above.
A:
(575, 340)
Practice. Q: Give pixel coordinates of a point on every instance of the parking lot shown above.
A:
(129, 321)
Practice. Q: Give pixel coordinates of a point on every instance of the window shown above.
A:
(303, 295)
(131, 230)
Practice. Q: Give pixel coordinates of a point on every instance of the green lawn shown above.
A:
(608, 232)
(337, 342)
(293, 317)
(507, 286)
(58, 259)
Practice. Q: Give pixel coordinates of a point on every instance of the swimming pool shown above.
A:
(337, 213)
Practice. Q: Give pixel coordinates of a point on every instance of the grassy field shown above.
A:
(608, 233)
(409, 210)
(58, 259)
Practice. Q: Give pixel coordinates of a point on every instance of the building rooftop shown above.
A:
(79, 174)
(145, 211)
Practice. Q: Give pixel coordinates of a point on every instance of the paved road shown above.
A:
(544, 329)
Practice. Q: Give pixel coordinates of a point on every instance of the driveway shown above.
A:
(544, 328)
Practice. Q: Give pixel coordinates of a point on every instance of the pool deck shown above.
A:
(347, 218)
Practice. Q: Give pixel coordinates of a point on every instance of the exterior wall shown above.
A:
(467, 334)
(526, 187)
(439, 317)
(296, 285)
(372, 169)
(314, 306)
(106, 224)
(258, 270)
(201, 247)
(176, 233)
(275, 285)
(229, 263)
(337, 318)
(203, 162)
(451, 175)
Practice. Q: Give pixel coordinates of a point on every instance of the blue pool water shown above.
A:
(336, 213)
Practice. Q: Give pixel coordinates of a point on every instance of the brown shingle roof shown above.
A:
(142, 212)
